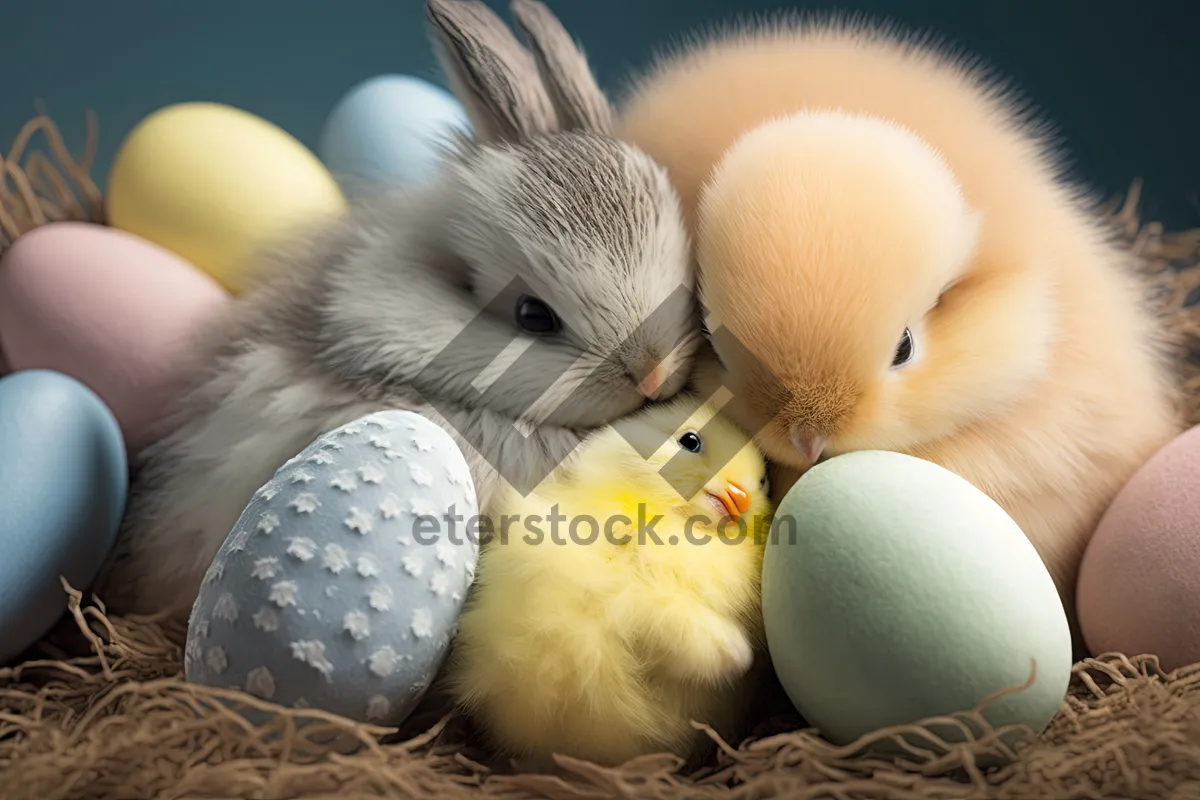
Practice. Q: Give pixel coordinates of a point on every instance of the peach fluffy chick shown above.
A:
(890, 258)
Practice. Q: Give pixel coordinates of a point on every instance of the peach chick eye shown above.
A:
(904, 350)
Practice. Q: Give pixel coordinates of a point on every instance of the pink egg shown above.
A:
(111, 310)
(1139, 582)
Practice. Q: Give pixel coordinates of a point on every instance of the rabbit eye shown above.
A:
(904, 350)
(691, 442)
(534, 316)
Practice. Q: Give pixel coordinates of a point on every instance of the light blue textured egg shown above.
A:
(63, 483)
(341, 585)
(386, 130)
(894, 591)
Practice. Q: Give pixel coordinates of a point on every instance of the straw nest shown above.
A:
(100, 709)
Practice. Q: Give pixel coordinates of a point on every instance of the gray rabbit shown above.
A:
(542, 231)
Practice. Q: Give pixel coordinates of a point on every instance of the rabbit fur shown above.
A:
(359, 315)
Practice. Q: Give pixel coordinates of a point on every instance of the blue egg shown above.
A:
(338, 588)
(63, 483)
(386, 130)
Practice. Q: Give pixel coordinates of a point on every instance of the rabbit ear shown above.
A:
(578, 100)
(490, 72)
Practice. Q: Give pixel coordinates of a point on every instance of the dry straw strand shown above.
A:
(35, 190)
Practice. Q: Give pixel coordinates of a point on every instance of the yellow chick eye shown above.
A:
(691, 442)
(765, 484)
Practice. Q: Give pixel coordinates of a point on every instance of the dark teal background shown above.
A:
(1120, 78)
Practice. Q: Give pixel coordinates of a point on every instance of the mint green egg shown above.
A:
(895, 591)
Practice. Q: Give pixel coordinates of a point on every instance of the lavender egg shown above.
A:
(341, 585)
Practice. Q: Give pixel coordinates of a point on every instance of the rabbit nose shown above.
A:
(808, 443)
(655, 376)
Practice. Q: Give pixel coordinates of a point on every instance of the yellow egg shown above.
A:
(215, 184)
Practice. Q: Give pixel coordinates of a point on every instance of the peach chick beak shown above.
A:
(808, 443)
(733, 498)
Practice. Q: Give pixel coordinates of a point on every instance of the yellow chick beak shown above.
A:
(733, 498)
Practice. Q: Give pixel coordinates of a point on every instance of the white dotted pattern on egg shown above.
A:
(327, 594)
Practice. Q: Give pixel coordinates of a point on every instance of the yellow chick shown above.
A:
(619, 600)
